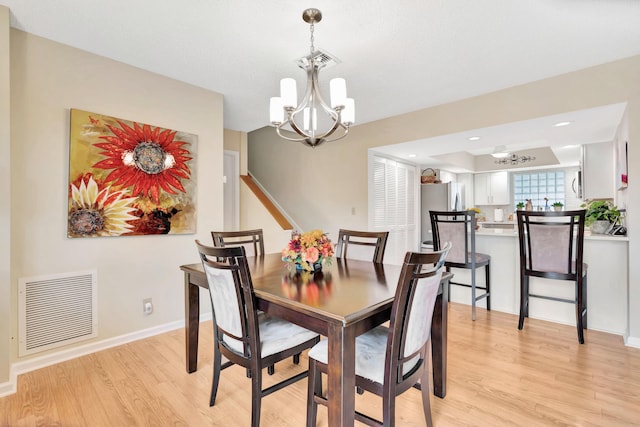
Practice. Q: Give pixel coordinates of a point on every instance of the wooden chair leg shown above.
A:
(296, 359)
(426, 402)
(314, 388)
(524, 300)
(256, 397)
(389, 409)
(487, 280)
(217, 362)
(271, 369)
(584, 302)
(579, 310)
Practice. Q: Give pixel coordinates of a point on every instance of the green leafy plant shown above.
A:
(558, 204)
(600, 210)
(520, 205)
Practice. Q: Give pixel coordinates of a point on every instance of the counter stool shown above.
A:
(458, 227)
(551, 246)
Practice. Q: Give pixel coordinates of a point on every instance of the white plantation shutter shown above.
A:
(393, 193)
(378, 199)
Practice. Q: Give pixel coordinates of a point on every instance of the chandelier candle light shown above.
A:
(285, 110)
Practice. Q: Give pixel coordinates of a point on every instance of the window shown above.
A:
(538, 185)
(393, 205)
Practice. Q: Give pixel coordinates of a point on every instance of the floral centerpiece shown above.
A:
(308, 251)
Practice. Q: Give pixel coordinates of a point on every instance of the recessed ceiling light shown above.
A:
(474, 138)
(411, 156)
(560, 124)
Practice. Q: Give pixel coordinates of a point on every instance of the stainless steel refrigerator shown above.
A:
(438, 197)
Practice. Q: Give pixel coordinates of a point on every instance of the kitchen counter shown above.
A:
(607, 296)
(514, 233)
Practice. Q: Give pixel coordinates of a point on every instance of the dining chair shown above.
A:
(252, 240)
(458, 227)
(376, 239)
(390, 360)
(242, 334)
(551, 247)
(253, 243)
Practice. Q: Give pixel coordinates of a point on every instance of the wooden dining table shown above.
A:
(342, 301)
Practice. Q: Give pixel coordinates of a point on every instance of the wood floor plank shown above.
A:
(497, 376)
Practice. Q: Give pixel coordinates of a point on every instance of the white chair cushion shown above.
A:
(275, 335)
(371, 348)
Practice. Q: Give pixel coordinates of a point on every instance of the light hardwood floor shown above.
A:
(498, 376)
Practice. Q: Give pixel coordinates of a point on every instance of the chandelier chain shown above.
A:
(311, 28)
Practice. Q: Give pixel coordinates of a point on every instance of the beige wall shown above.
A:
(5, 195)
(237, 141)
(253, 214)
(320, 187)
(47, 80)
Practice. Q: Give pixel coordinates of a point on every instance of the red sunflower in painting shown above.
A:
(145, 158)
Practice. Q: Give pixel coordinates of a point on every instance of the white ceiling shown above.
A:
(397, 56)
(586, 127)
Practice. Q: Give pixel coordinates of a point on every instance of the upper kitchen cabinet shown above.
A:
(597, 171)
(491, 188)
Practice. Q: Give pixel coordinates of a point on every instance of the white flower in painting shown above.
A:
(95, 212)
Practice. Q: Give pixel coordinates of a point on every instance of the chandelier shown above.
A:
(303, 118)
(514, 159)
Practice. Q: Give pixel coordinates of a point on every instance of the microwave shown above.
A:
(576, 184)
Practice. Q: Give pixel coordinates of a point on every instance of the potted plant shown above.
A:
(600, 215)
(557, 206)
(520, 206)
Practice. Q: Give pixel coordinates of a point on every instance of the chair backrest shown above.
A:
(251, 240)
(551, 243)
(377, 239)
(412, 311)
(232, 298)
(457, 227)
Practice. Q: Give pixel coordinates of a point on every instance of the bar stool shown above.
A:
(551, 246)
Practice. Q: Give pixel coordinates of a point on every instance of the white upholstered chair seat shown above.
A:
(276, 335)
(371, 348)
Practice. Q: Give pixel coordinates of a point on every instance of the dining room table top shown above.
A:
(345, 290)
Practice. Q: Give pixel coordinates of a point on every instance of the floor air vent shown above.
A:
(57, 310)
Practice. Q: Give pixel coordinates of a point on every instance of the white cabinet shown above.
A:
(491, 188)
(597, 171)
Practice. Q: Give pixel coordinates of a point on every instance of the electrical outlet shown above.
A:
(147, 306)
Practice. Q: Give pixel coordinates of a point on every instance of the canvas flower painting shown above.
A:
(129, 178)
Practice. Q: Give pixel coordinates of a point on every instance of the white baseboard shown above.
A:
(632, 342)
(8, 387)
(81, 350)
